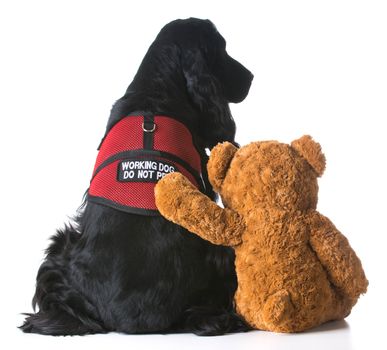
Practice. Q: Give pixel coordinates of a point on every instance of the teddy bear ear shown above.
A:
(311, 151)
(219, 162)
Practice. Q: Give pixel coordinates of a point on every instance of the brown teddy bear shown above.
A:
(295, 269)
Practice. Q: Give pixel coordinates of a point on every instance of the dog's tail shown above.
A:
(62, 309)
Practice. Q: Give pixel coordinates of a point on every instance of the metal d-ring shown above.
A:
(148, 130)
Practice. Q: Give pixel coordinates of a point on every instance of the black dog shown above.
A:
(118, 271)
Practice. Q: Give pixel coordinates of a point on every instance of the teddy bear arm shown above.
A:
(338, 258)
(219, 226)
(182, 203)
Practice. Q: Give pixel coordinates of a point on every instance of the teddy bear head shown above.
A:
(267, 174)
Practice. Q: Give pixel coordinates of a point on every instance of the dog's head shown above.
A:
(212, 78)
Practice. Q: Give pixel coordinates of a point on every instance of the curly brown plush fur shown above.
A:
(295, 269)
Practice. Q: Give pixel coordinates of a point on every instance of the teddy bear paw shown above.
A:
(277, 310)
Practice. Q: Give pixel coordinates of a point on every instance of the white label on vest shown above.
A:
(143, 170)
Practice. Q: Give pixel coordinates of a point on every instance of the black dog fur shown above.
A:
(114, 271)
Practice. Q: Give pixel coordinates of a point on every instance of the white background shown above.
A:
(320, 68)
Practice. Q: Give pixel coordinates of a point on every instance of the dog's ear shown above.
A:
(219, 162)
(207, 97)
(202, 86)
(219, 75)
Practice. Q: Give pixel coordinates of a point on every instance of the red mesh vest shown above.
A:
(134, 155)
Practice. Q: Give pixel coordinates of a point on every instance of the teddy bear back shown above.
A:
(275, 256)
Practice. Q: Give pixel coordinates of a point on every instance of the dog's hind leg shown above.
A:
(207, 321)
(63, 313)
(56, 322)
(62, 309)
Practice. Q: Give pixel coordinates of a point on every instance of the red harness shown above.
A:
(137, 152)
